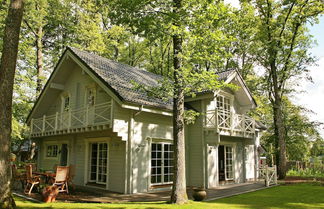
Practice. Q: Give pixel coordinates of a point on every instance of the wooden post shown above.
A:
(111, 113)
(243, 125)
(216, 120)
(44, 121)
(267, 176)
(275, 175)
(231, 122)
(87, 116)
(56, 120)
(70, 118)
(253, 127)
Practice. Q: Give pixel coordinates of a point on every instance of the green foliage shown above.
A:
(314, 170)
(300, 130)
(317, 149)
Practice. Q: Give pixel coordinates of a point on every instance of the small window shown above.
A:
(52, 151)
(66, 103)
(91, 97)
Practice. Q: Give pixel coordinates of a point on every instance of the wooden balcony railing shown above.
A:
(100, 114)
(223, 120)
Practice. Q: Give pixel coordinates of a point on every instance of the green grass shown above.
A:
(298, 196)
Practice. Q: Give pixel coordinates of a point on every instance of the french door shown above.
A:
(161, 163)
(98, 163)
(229, 163)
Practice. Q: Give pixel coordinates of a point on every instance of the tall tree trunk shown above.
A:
(179, 193)
(279, 126)
(39, 57)
(7, 73)
(279, 129)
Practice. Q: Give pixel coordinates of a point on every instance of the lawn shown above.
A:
(298, 196)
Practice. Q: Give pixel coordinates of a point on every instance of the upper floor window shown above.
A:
(66, 103)
(223, 103)
(91, 97)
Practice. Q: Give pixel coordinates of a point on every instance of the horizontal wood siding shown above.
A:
(76, 85)
(78, 154)
(116, 165)
(146, 126)
(249, 161)
(121, 119)
(195, 149)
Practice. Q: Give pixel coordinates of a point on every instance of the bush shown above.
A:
(315, 170)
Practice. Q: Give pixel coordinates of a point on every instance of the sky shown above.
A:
(311, 94)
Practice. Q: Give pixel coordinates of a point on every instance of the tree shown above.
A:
(7, 73)
(300, 131)
(35, 21)
(283, 45)
(192, 34)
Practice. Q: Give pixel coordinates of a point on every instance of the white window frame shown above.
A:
(232, 162)
(88, 141)
(162, 163)
(86, 97)
(57, 151)
(97, 166)
(233, 146)
(63, 99)
(59, 145)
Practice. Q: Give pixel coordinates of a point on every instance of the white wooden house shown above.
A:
(89, 116)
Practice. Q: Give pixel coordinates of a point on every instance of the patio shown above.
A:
(95, 195)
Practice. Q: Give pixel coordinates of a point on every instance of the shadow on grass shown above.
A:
(300, 196)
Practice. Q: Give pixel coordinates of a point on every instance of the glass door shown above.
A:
(229, 163)
(98, 163)
(161, 163)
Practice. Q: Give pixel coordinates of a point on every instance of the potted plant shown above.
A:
(49, 193)
(199, 193)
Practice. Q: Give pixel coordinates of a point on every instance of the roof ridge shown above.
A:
(113, 61)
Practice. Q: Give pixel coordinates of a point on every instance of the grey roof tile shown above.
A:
(120, 76)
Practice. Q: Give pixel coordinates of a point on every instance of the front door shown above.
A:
(225, 163)
(98, 163)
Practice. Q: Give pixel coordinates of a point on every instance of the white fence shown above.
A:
(269, 174)
(228, 121)
(100, 114)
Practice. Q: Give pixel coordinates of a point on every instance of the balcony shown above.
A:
(228, 123)
(97, 117)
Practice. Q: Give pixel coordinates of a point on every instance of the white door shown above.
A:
(229, 173)
(98, 163)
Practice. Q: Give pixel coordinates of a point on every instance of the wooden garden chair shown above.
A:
(30, 179)
(17, 177)
(61, 178)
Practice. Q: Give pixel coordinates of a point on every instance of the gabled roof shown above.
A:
(118, 78)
